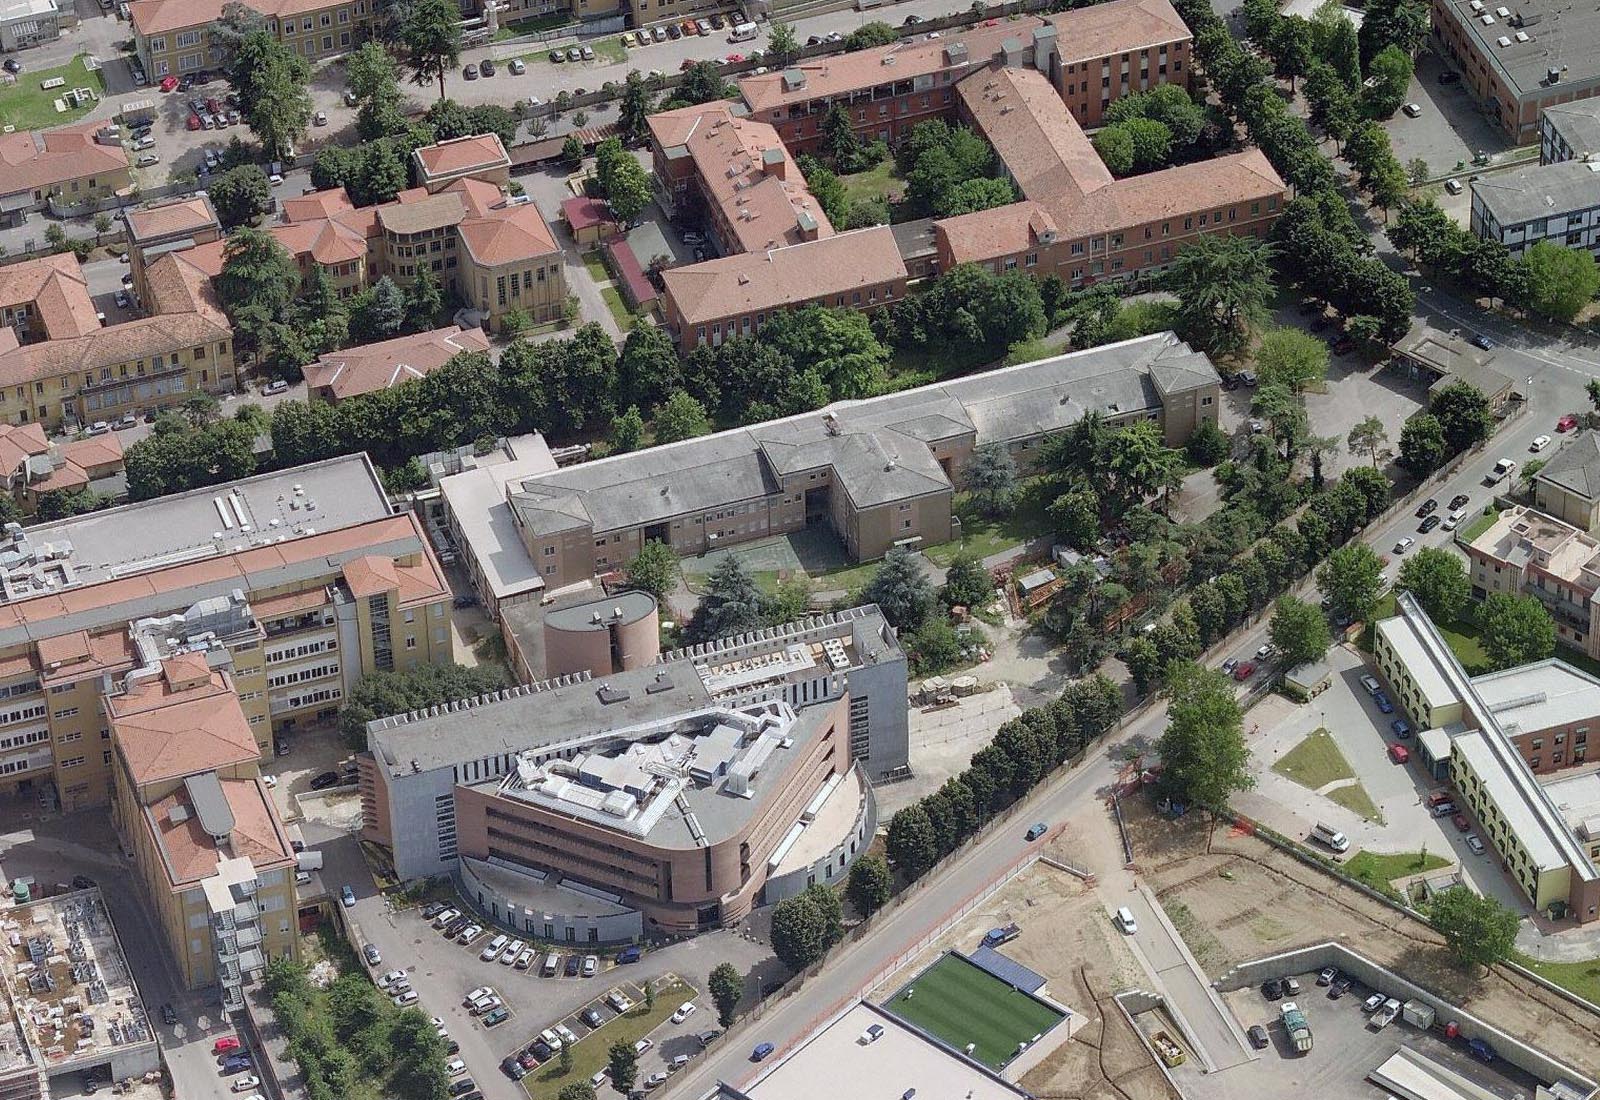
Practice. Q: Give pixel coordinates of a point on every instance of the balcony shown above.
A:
(132, 379)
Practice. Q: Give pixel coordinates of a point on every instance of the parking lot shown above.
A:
(1346, 1047)
(1399, 793)
(1451, 130)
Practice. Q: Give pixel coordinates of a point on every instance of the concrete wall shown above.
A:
(607, 928)
(833, 866)
(1309, 959)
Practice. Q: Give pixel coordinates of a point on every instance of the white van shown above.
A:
(552, 962)
(1332, 837)
(1124, 921)
(1455, 519)
(744, 32)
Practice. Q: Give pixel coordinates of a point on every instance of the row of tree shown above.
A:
(1023, 752)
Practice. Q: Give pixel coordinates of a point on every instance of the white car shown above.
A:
(246, 1083)
(406, 999)
(655, 1080)
(1125, 922)
(685, 1010)
(487, 1005)
(1371, 684)
(566, 1034)
(390, 978)
(517, 67)
(591, 964)
(1264, 652)
(476, 995)
(469, 933)
(445, 918)
(1475, 844)
(144, 143)
(1404, 544)
(1539, 443)
(146, 160)
(509, 955)
(1412, 110)
(642, 1045)
(455, 1067)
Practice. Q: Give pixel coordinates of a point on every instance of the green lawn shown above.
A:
(533, 24)
(1582, 978)
(1315, 762)
(596, 267)
(1355, 799)
(849, 579)
(1379, 870)
(593, 1051)
(619, 309)
(877, 181)
(610, 49)
(983, 535)
(27, 107)
(1462, 637)
(1478, 526)
(960, 1003)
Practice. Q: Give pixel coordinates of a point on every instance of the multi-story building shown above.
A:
(351, 372)
(880, 472)
(707, 303)
(1519, 60)
(1102, 52)
(207, 843)
(680, 793)
(1493, 737)
(68, 166)
(492, 250)
(736, 177)
(1528, 553)
(306, 577)
(60, 366)
(1077, 221)
(30, 465)
(25, 23)
(478, 156)
(1556, 200)
(1568, 486)
(158, 228)
(176, 37)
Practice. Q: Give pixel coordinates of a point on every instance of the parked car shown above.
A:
(655, 1080)
(1258, 1036)
(1272, 989)
(1449, 76)
(643, 1045)
(1399, 754)
(319, 119)
(148, 159)
(517, 66)
(323, 780)
(1428, 506)
(761, 1052)
(496, 1018)
(1460, 500)
(1327, 976)
(406, 999)
(236, 1062)
(1444, 809)
(1244, 671)
(1481, 342)
(587, 52)
(1567, 423)
(1372, 1003)
(470, 72)
(277, 385)
(246, 1083)
(591, 1016)
(1539, 443)
(374, 957)
(1475, 844)
(225, 1045)
(1412, 110)
(1460, 822)
(1384, 705)
(347, 897)
(591, 965)
(1339, 988)
(1404, 544)
(685, 1010)
(574, 964)
(1037, 830)
(444, 916)
(1402, 728)
(1371, 684)
(557, 56)
(168, 1016)
(486, 66)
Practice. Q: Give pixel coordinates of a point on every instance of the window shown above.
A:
(548, 551)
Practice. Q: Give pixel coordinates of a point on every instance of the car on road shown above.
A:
(1402, 728)
(374, 957)
(1123, 919)
(347, 897)
(1265, 652)
(1428, 524)
(1539, 443)
(1502, 470)
(1412, 110)
(319, 119)
(1383, 703)
(1244, 670)
(1404, 544)
(761, 1051)
(1444, 809)
(1460, 500)
(1481, 342)
(1037, 830)
(1370, 683)
(1258, 1036)
(1399, 754)
(1455, 187)
(1427, 507)
(168, 1016)
(277, 385)
(685, 1010)
(643, 1045)
(13, 66)
(1460, 822)
(1475, 844)
(1567, 422)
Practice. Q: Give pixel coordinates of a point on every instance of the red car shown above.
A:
(1437, 797)
(194, 122)
(169, 83)
(1567, 423)
(1460, 822)
(1399, 754)
(734, 58)
(213, 106)
(1244, 670)
(225, 1045)
(688, 63)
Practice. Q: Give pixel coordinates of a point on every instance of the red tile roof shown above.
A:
(372, 367)
(462, 155)
(33, 161)
(582, 212)
(191, 855)
(1116, 27)
(58, 291)
(167, 732)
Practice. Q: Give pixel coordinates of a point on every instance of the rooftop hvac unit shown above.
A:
(1503, 12)
(1521, 36)
(1486, 19)
(1502, 41)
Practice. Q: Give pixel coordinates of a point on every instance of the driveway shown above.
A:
(1452, 128)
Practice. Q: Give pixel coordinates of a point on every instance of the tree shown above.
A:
(782, 44)
(1368, 435)
(1479, 930)
(681, 417)
(990, 475)
(623, 181)
(967, 583)
(838, 344)
(1299, 631)
(799, 931)
(869, 885)
(379, 313)
(1203, 754)
(102, 226)
(572, 150)
(654, 569)
(1516, 630)
(840, 145)
(637, 102)
(1389, 76)
(732, 603)
(627, 431)
(1223, 285)
(901, 589)
(381, 694)
(1208, 445)
(911, 845)
(424, 300)
(431, 36)
(1115, 146)
(239, 195)
(726, 986)
(1561, 280)
(1399, 23)
(373, 78)
(624, 1066)
(1292, 47)
(875, 33)
(578, 1090)
(1422, 445)
(1438, 580)
(1463, 414)
(1350, 579)
(1291, 357)
(272, 81)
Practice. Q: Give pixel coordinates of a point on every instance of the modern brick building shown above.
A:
(675, 796)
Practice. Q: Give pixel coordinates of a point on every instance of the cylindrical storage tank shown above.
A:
(602, 634)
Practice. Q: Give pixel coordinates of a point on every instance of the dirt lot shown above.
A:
(1234, 897)
(1067, 938)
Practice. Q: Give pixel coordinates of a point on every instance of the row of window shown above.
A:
(302, 675)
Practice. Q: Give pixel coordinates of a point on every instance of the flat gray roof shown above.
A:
(235, 515)
(1541, 191)
(1560, 35)
(1578, 124)
(581, 615)
(1540, 695)
(877, 448)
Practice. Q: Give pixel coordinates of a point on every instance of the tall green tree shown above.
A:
(1516, 630)
(1291, 357)
(373, 77)
(239, 195)
(1299, 631)
(869, 885)
(726, 986)
(732, 603)
(624, 1066)
(654, 569)
(272, 81)
(911, 844)
(901, 589)
(431, 36)
(1463, 414)
(990, 474)
(783, 46)
(1438, 580)
(1350, 579)
(637, 103)
(1479, 930)
(1561, 280)
(680, 417)
(1223, 284)
(1422, 444)
(424, 300)
(1368, 435)
(799, 932)
(1203, 755)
